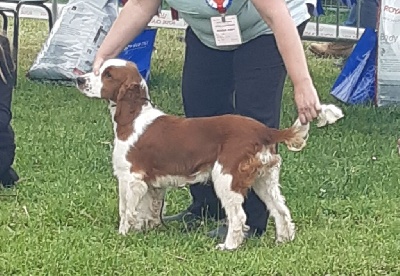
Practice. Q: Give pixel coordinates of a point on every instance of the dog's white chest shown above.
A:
(120, 163)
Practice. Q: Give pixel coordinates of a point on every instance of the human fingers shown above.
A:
(314, 112)
(308, 115)
(302, 118)
(96, 65)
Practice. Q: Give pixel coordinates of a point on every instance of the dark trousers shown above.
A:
(7, 155)
(7, 143)
(248, 81)
(369, 11)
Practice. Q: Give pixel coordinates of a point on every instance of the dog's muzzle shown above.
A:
(83, 84)
(80, 81)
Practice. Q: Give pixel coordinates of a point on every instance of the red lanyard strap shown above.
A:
(220, 5)
(174, 14)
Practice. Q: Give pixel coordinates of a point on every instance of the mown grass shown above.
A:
(63, 219)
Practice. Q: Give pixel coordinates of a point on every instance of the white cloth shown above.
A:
(329, 115)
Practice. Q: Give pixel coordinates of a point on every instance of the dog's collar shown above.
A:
(148, 100)
(112, 104)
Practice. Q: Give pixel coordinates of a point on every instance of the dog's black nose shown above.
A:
(80, 81)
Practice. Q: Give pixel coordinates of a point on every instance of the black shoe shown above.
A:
(190, 220)
(13, 174)
(9, 179)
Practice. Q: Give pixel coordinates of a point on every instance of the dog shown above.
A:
(154, 151)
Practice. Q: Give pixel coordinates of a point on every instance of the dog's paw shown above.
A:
(226, 247)
(123, 228)
(287, 235)
(221, 247)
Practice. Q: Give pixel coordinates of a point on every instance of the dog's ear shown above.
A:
(127, 102)
(133, 86)
(121, 93)
(129, 91)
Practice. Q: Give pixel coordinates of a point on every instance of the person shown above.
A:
(8, 177)
(368, 19)
(237, 56)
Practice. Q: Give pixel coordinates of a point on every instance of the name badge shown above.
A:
(226, 30)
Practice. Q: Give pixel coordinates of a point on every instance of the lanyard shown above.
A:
(220, 5)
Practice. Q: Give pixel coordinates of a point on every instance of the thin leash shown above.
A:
(161, 214)
(149, 101)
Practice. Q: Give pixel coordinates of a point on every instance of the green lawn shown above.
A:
(64, 218)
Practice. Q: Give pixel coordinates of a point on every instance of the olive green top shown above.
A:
(197, 14)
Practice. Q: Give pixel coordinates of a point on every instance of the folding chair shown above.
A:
(16, 13)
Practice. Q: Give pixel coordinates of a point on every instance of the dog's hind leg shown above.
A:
(232, 203)
(267, 188)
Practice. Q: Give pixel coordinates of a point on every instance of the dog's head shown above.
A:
(117, 79)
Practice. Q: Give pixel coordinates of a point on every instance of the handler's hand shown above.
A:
(307, 102)
(98, 61)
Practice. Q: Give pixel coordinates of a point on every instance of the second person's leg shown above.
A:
(207, 90)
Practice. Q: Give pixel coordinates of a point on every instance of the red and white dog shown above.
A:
(154, 151)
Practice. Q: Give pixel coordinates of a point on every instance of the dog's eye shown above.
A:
(107, 75)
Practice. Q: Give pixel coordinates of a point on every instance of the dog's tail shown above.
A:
(294, 137)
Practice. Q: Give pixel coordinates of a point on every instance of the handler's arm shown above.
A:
(133, 19)
(277, 16)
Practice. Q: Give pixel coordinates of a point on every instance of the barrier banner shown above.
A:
(388, 60)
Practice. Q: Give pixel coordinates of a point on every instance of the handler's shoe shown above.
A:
(9, 179)
(332, 49)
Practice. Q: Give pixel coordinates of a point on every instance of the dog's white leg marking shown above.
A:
(123, 223)
(136, 190)
(232, 203)
(267, 187)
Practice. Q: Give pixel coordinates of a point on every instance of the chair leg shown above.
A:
(5, 22)
(50, 15)
(16, 29)
(16, 42)
(48, 10)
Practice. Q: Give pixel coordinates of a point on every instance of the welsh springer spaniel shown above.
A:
(154, 151)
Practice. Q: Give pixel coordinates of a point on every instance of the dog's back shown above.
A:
(195, 144)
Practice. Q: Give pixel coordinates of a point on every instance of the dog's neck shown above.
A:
(112, 106)
(125, 116)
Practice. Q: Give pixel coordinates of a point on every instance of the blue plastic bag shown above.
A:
(356, 83)
(349, 3)
(140, 51)
(316, 10)
(319, 10)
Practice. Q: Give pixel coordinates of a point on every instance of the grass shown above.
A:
(63, 219)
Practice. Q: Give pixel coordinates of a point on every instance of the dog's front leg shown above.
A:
(136, 190)
(123, 222)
